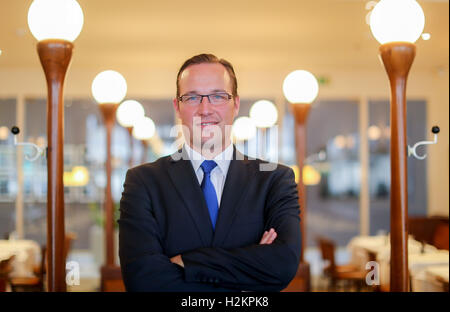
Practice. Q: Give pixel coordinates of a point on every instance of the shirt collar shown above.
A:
(223, 159)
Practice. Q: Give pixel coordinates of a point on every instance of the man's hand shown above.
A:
(177, 260)
(268, 237)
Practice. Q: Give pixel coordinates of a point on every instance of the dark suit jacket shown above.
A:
(163, 213)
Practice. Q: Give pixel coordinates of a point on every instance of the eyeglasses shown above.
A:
(214, 98)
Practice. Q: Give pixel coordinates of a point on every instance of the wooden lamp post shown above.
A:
(128, 113)
(144, 130)
(55, 24)
(300, 88)
(109, 88)
(397, 25)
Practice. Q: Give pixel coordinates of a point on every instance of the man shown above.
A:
(207, 218)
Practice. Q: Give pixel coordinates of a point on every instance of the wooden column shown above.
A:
(301, 111)
(108, 111)
(144, 152)
(55, 56)
(20, 122)
(398, 58)
(130, 136)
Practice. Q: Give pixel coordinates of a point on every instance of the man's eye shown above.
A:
(219, 96)
(191, 98)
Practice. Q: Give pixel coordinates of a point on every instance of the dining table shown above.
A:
(27, 254)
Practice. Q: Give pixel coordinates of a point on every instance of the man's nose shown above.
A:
(205, 105)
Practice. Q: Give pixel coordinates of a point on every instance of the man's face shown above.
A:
(206, 78)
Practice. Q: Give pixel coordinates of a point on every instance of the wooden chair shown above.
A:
(5, 269)
(441, 236)
(429, 230)
(36, 282)
(444, 284)
(302, 280)
(349, 273)
(111, 279)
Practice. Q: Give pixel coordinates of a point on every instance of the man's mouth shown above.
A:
(208, 123)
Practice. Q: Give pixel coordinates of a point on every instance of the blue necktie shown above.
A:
(208, 190)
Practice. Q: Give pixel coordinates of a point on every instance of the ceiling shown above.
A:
(252, 34)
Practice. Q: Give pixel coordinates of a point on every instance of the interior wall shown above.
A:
(432, 86)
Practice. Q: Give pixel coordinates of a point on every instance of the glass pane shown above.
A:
(8, 176)
(332, 203)
(379, 142)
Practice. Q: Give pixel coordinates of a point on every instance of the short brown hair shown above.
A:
(208, 58)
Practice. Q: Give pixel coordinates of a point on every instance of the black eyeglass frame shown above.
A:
(180, 98)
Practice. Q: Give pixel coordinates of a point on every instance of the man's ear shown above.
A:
(237, 104)
(176, 106)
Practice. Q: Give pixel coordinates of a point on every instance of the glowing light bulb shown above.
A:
(243, 129)
(264, 114)
(55, 19)
(300, 86)
(144, 129)
(109, 87)
(129, 112)
(397, 21)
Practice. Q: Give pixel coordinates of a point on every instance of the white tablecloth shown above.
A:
(380, 245)
(27, 255)
(420, 257)
(427, 280)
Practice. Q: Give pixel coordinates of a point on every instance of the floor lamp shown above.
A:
(397, 25)
(109, 88)
(243, 130)
(55, 24)
(144, 130)
(300, 88)
(264, 115)
(128, 113)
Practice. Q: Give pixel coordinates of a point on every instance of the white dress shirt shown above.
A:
(218, 174)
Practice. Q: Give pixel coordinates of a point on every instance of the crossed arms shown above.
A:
(265, 266)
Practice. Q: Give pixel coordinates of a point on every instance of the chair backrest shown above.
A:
(69, 238)
(327, 248)
(5, 269)
(423, 228)
(6, 266)
(440, 236)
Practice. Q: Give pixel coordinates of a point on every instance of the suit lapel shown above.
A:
(236, 184)
(185, 181)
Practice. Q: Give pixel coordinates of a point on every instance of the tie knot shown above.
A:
(208, 166)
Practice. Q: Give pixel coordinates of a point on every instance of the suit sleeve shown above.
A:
(257, 267)
(143, 264)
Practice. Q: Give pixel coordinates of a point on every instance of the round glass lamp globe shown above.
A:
(55, 19)
(243, 129)
(144, 129)
(109, 87)
(397, 21)
(129, 112)
(264, 114)
(300, 86)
